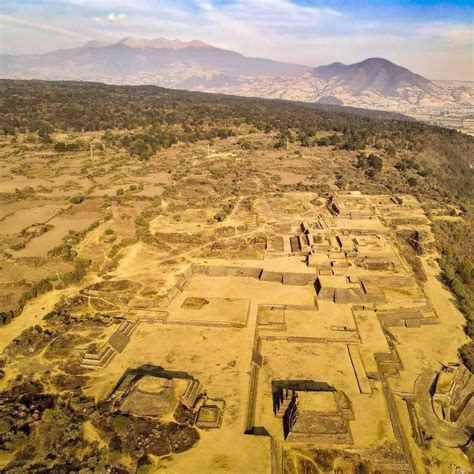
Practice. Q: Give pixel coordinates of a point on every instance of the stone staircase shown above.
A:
(191, 393)
(127, 327)
(286, 396)
(98, 360)
(115, 344)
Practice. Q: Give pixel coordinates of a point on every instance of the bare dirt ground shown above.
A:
(237, 268)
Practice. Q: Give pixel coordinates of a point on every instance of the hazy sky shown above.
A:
(433, 38)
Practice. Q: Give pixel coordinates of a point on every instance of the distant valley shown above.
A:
(374, 83)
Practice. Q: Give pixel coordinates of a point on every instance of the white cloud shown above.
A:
(110, 18)
(116, 17)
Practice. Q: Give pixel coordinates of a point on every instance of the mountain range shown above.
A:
(373, 83)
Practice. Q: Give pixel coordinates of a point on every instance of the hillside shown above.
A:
(440, 159)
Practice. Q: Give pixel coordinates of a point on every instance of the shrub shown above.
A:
(37, 288)
(466, 352)
(76, 199)
(121, 424)
(80, 267)
(6, 317)
(244, 144)
(220, 216)
(375, 162)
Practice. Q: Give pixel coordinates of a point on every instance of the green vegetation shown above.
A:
(372, 164)
(62, 147)
(221, 216)
(76, 199)
(456, 245)
(145, 119)
(80, 267)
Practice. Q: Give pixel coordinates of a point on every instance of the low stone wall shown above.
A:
(271, 276)
(405, 318)
(286, 278)
(216, 271)
(348, 295)
(326, 294)
(298, 279)
(315, 340)
(301, 307)
(320, 438)
(181, 282)
(249, 272)
(207, 324)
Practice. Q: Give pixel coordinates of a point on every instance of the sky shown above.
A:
(431, 37)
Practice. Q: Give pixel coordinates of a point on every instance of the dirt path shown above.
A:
(236, 207)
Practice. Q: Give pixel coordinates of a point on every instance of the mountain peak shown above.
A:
(376, 74)
(142, 43)
(328, 71)
(376, 61)
(199, 44)
(96, 44)
(161, 42)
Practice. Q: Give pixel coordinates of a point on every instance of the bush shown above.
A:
(6, 317)
(60, 147)
(466, 353)
(76, 199)
(375, 162)
(220, 216)
(80, 267)
(121, 424)
(244, 144)
(37, 288)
